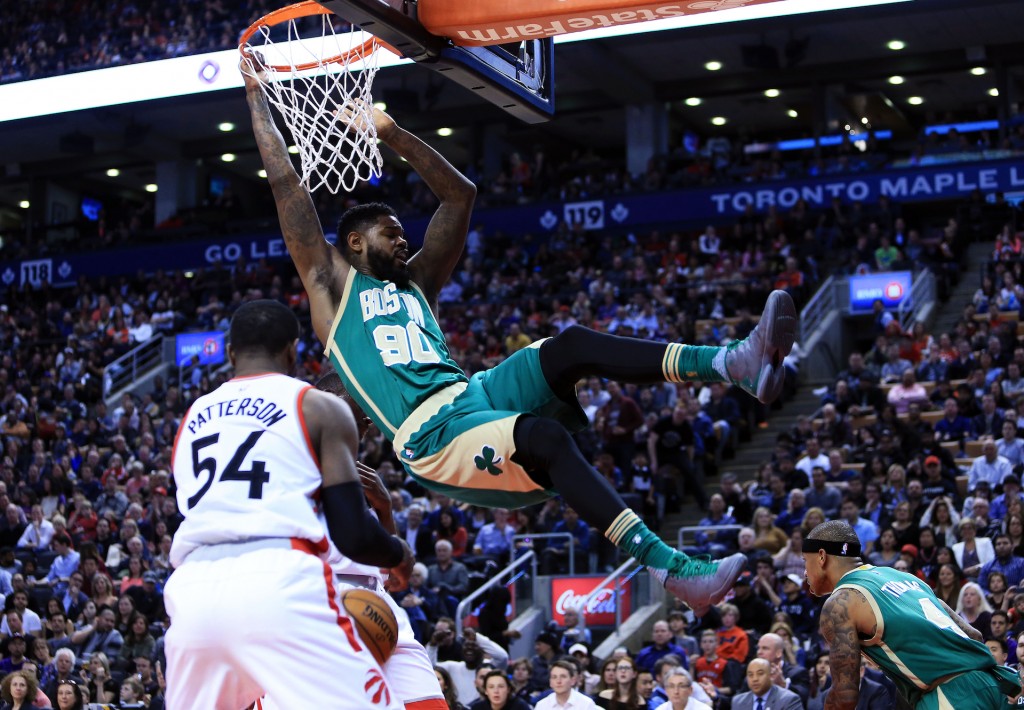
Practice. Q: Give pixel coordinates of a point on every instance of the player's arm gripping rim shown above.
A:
(320, 266)
(962, 623)
(445, 238)
(840, 630)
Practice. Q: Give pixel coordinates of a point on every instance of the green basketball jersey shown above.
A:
(388, 349)
(916, 642)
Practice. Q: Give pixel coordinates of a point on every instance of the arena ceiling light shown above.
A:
(151, 187)
(772, 93)
(261, 173)
(915, 100)
(228, 157)
(226, 127)
(719, 120)
(444, 132)
(293, 149)
(896, 80)
(993, 92)
(979, 71)
(792, 113)
(24, 204)
(896, 45)
(380, 105)
(113, 172)
(694, 101)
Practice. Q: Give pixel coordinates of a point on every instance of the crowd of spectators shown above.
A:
(89, 507)
(42, 39)
(915, 444)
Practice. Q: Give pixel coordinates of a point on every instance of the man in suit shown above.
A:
(417, 534)
(783, 674)
(763, 693)
(873, 696)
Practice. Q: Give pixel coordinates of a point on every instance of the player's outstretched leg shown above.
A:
(546, 450)
(754, 364)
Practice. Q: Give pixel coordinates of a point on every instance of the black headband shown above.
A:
(839, 549)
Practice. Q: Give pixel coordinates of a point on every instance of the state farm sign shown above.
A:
(488, 22)
(569, 593)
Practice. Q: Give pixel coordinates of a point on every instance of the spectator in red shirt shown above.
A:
(732, 640)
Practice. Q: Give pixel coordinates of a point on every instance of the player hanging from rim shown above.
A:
(501, 438)
(937, 660)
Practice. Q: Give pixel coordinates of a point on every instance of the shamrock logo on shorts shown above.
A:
(486, 461)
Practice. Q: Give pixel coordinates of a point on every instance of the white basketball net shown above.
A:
(336, 153)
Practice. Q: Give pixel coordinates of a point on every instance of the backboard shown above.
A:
(518, 77)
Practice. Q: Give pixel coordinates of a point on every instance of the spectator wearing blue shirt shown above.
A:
(1010, 447)
(556, 554)
(713, 542)
(661, 646)
(63, 565)
(796, 509)
(495, 539)
(1005, 561)
(952, 426)
(1011, 490)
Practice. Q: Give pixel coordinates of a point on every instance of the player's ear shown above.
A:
(355, 242)
(231, 355)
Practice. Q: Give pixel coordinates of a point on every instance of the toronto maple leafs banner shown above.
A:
(679, 209)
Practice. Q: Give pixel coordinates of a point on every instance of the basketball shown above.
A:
(374, 621)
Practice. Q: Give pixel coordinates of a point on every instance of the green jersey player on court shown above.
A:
(501, 438)
(936, 659)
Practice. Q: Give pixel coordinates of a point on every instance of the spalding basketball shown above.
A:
(374, 621)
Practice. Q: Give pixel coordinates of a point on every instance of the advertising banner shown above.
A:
(569, 592)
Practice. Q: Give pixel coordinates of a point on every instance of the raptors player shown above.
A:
(408, 671)
(253, 604)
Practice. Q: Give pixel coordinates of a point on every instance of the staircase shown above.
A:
(749, 456)
(978, 253)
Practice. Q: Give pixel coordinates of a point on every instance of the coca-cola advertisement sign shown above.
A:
(570, 592)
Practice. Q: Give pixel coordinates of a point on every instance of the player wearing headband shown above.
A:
(936, 659)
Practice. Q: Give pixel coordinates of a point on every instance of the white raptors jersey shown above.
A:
(243, 466)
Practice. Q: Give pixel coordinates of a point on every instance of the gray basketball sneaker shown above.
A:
(700, 582)
(755, 363)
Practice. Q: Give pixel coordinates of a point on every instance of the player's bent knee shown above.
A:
(542, 440)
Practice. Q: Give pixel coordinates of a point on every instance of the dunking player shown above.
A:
(408, 671)
(937, 660)
(253, 605)
(500, 439)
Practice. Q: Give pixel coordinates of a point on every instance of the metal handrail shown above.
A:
(572, 544)
(704, 528)
(617, 592)
(126, 369)
(922, 292)
(818, 307)
(530, 556)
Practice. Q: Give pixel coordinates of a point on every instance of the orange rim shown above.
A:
(309, 8)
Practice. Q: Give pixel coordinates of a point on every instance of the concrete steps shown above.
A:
(749, 456)
(977, 254)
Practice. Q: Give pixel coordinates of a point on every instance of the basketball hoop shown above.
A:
(320, 79)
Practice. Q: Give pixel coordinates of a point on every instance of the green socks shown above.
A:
(629, 533)
(683, 363)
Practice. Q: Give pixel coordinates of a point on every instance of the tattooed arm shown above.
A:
(962, 623)
(445, 237)
(840, 630)
(319, 264)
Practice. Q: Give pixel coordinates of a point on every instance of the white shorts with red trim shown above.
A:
(265, 622)
(408, 672)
